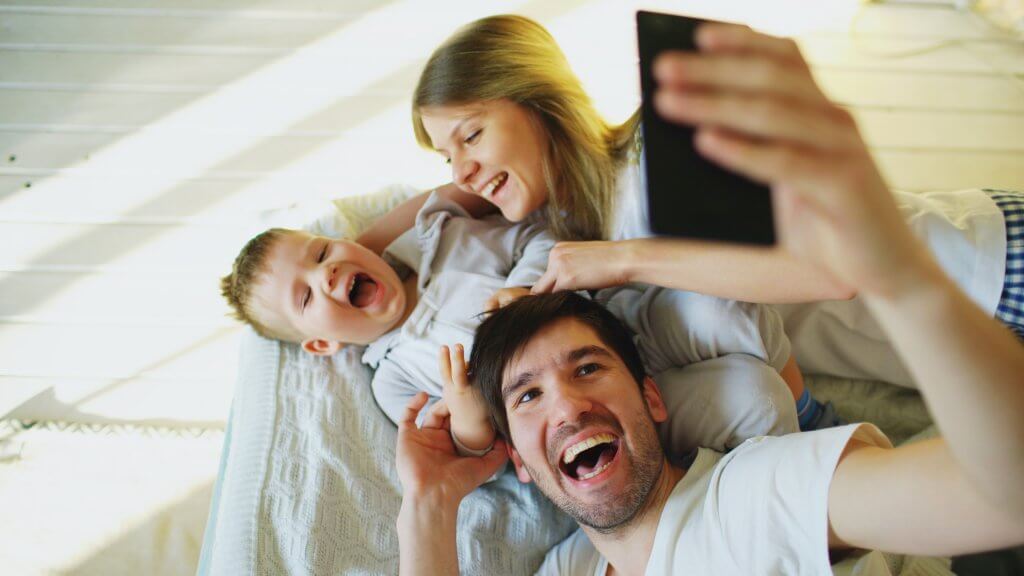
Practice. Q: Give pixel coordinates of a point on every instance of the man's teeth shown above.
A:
(575, 449)
(596, 471)
(488, 190)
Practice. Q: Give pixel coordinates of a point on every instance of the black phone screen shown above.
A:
(688, 195)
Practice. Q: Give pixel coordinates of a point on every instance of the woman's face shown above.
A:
(496, 150)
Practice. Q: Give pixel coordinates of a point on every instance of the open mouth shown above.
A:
(589, 458)
(497, 183)
(363, 291)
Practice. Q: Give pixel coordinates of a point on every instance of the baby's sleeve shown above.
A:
(393, 389)
(530, 259)
(676, 328)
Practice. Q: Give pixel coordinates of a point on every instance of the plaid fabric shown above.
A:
(1011, 303)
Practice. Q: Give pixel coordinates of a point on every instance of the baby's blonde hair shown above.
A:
(237, 286)
(515, 58)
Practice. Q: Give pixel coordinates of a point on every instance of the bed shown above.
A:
(307, 482)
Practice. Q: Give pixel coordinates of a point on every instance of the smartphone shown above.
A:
(688, 195)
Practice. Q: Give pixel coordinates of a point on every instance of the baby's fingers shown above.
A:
(458, 368)
(445, 365)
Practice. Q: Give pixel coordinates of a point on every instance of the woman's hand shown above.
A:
(504, 297)
(587, 266)
(759, 112)
(428, 466)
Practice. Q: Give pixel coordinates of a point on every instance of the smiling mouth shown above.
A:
(363, 290)
(589, 458)
(492, 187)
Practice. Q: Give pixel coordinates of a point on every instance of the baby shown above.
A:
(431, 285)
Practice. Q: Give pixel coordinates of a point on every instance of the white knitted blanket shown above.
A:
(310, 485)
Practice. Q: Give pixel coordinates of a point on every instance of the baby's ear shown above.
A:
(321, 347)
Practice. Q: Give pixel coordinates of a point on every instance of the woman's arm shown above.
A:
(748, 274)
(379, 235)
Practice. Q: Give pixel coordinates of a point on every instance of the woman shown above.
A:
(499, 101)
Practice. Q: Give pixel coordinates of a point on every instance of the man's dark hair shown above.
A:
(506, 332)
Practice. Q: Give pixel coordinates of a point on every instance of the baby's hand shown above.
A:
(504, 297)
(470, 423)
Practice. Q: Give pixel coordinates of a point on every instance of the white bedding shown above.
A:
(310, 485)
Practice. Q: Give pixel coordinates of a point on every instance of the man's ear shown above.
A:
(521, 471)
(318, 347)
(655, 405)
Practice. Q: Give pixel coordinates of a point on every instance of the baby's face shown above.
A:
(326, 289)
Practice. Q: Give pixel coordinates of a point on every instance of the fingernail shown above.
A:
(704, 36)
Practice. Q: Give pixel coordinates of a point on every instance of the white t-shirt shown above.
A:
(965, 231)
(761, 509)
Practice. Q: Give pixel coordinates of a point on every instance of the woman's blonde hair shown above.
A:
(515, 58)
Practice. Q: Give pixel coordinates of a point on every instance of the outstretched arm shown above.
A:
(759, 112)
(748, 274)
(379, 235)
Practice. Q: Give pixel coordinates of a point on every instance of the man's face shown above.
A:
(328, 291)
(580, 426)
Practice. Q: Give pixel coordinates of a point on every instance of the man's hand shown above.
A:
(586, 266)
(428, 466)
(759, 112)
(434, 481)
(504, 297)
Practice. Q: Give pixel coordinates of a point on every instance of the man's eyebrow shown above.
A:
(522, 380)
(570, 357)
(584, 351)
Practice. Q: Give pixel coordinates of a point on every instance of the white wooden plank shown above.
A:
(85, 108)
(84, 68)
(883, 128)
(914, 55)
(949, 171)
(33, 27)
(895, 21)
(247, 9)
(114, 352)
(211, 70)
(151, 250)
(174, 402)
(922, 92)
(936, 131)
(123, 298)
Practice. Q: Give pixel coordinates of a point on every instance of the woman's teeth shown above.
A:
(491, 186)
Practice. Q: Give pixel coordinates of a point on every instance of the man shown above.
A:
(758, 112)
(567, 389)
